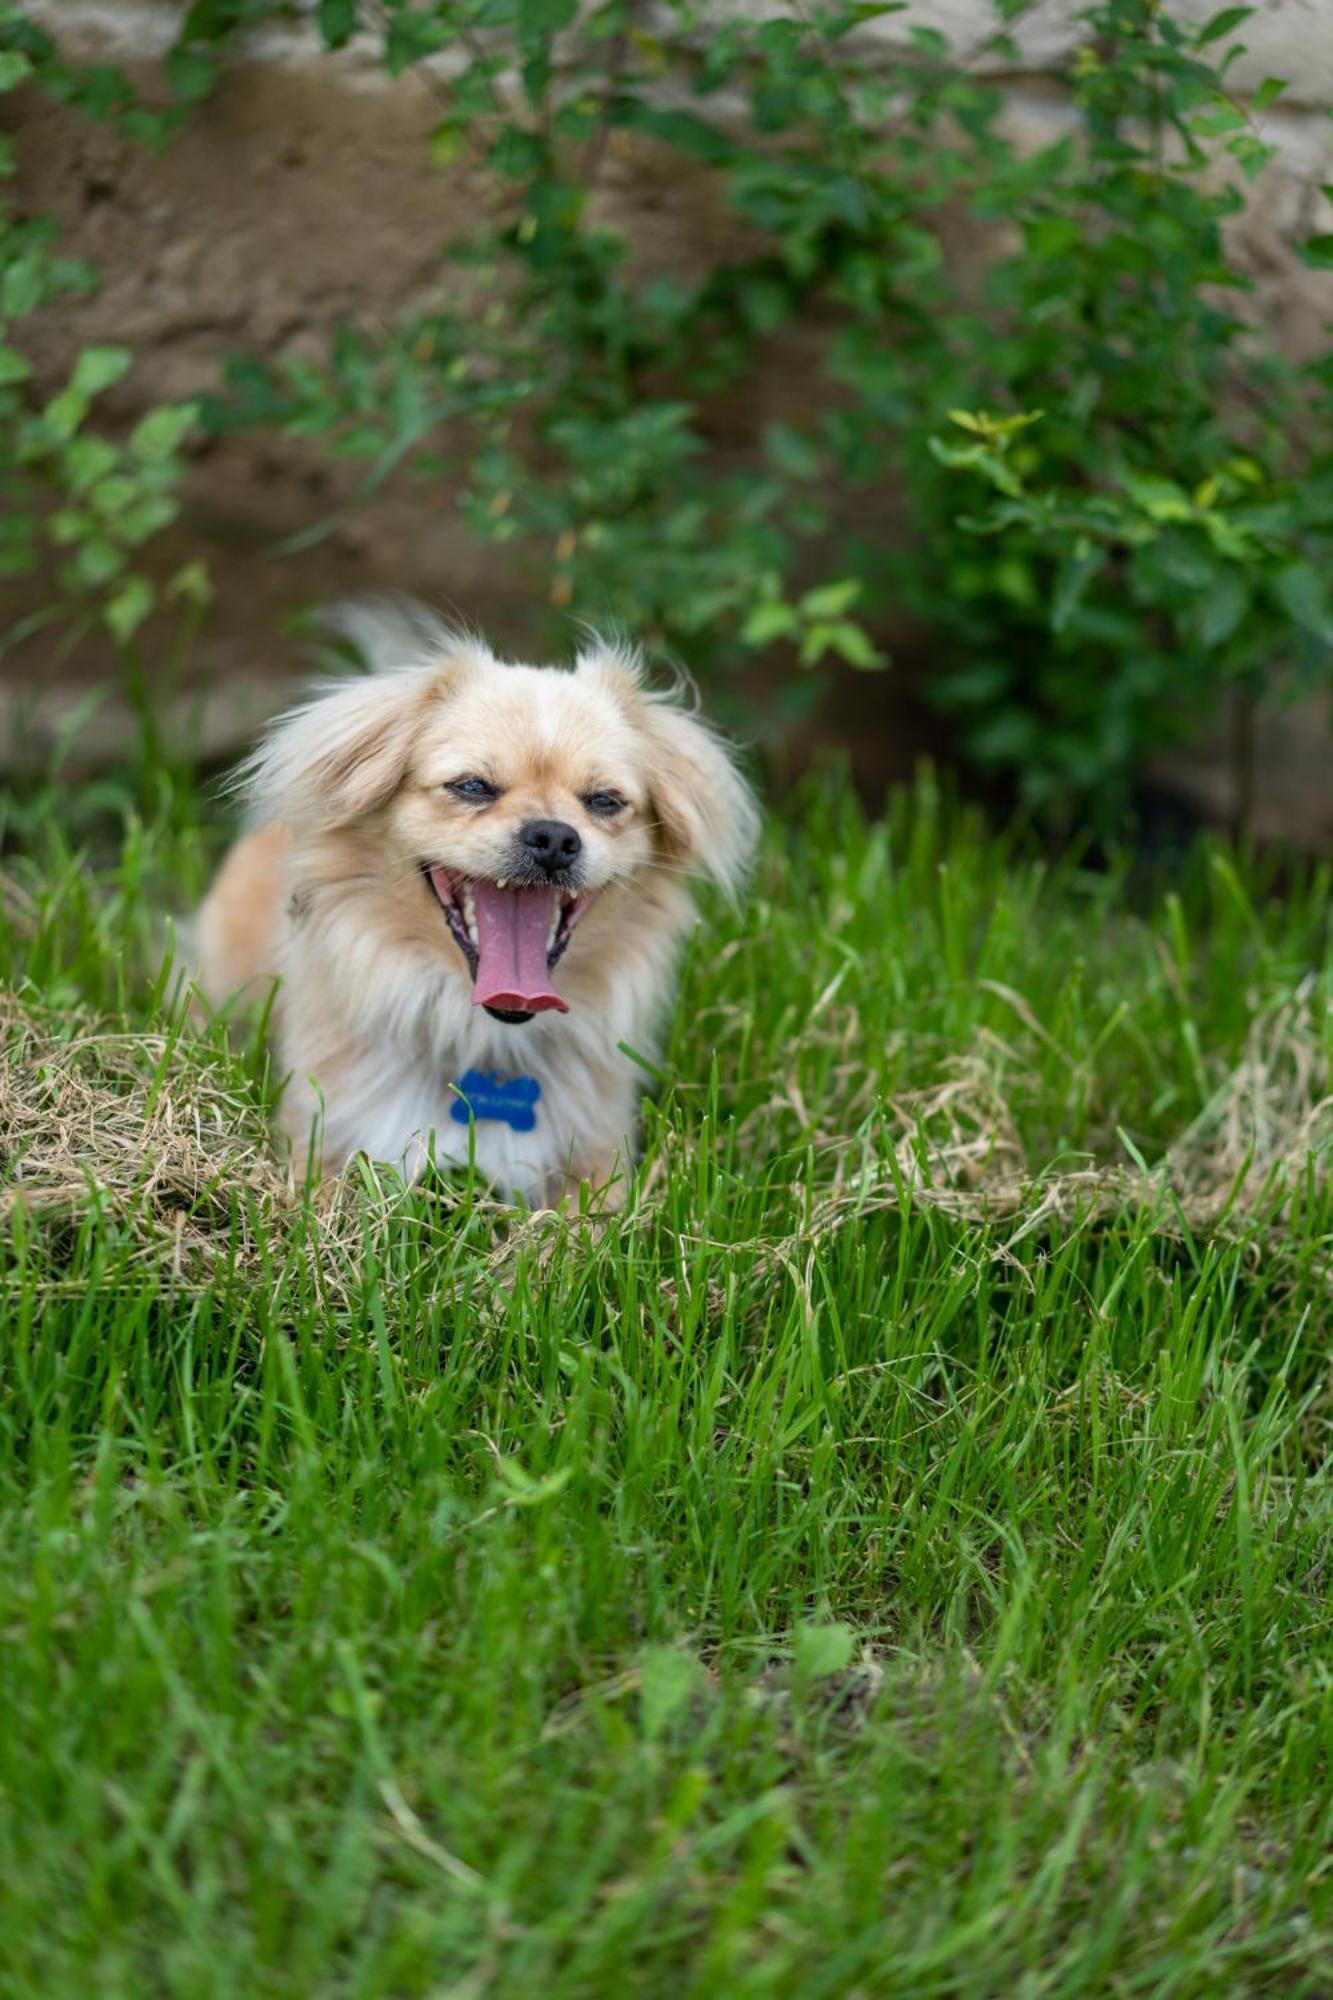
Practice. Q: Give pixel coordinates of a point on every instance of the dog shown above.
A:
(471, 880)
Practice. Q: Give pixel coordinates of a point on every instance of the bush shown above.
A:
(76, 503)
(1121, 497)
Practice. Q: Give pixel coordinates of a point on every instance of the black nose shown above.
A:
(551, 844)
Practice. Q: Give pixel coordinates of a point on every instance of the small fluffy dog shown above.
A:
(470, 878)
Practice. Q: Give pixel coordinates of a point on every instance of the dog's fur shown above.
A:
(351, 805)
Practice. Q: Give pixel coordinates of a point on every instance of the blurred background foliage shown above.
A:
(1117, 489)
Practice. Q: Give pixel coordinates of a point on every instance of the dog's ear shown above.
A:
(707, 818)
(615, 668)
(343, 753)
(706, 813)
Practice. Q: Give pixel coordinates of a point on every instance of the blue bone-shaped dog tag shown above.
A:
(512, 1100)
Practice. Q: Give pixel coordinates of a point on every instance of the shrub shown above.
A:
(1149, 526)
(1120, 499)
(77, 504)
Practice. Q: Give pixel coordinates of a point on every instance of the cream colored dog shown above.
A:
(471, 879)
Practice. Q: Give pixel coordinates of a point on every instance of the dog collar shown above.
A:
(509, 1100)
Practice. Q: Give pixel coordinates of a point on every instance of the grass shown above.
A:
(893, 1558)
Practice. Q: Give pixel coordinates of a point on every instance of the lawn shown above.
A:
(891, 1558)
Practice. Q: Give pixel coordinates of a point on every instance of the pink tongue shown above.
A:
(513, 926)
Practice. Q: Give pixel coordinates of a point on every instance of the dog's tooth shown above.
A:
(503, 882)
(555, 925)
(470, 913)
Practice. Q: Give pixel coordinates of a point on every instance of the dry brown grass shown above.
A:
(156, 1129)
(955, 1146)
(1269, 1123)
(151, 1126)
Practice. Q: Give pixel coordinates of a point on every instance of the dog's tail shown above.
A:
(382, 633)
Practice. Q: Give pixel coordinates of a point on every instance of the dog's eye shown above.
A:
(473, 788)
(605, 805)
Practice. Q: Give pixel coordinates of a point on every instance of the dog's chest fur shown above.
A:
(376, 1038)
(406, 1114)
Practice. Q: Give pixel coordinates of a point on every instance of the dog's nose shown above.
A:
(551, 844)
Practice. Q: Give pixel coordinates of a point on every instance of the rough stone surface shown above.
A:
(1291, 798)
(1286, 38)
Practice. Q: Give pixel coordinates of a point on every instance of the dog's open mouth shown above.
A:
(512, 939)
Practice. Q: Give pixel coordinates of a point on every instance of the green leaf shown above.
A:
(1052, 236)
(338, 21)
(1230, 538)
(64, 413)
(820, 1650)
(793, 451)
(854, 644)
(411, 37)
(1221, 608)
(15, 68)
(112, 495)
(999, 472)
(87, 460)
(1317, 251)
(98, 368)
(667, 1680)
(538, 18)
(769, 621)
(1303, 593)
(67, 525)
(14, 367)
(1219, 118)
(447, 141)
(191, 74)
(1222, 24)
(95, 563)
(684, 130)
(156, 436)
(128, 608)
(1250, 154)
(1160, 499)
(955, 455)
(856, 15)
(22, 287)
(144, 517)
(931, 43)
(830, 600)
(192, 583)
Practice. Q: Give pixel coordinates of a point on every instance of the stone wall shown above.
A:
(300, 196)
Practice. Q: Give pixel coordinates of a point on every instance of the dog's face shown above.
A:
(527, 796)
(515, 805)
